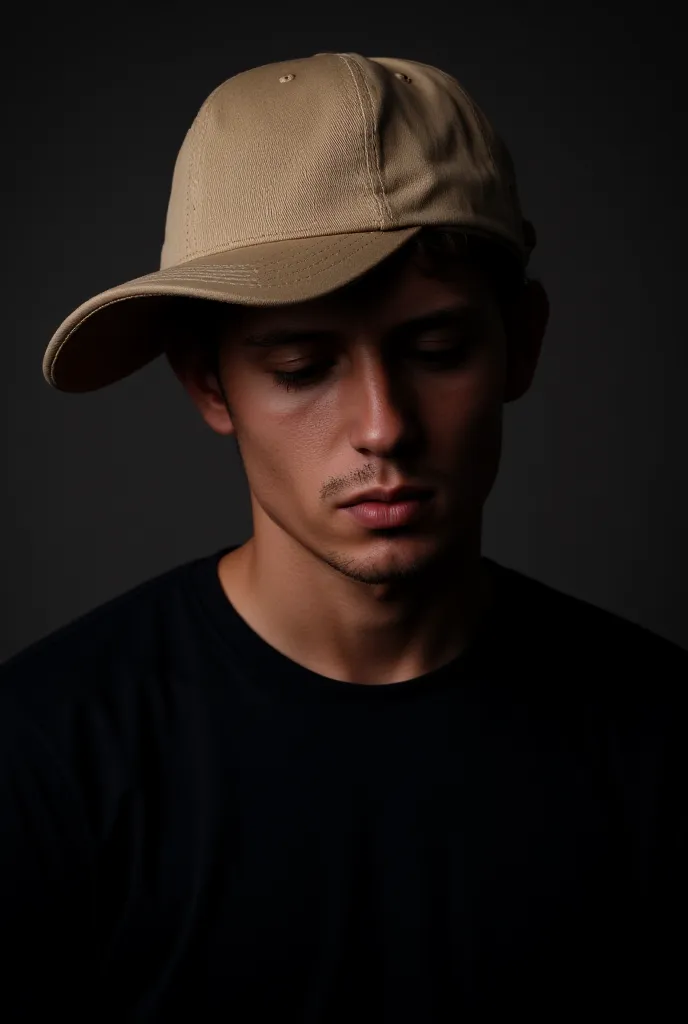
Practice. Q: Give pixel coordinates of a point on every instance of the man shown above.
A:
(349, 770)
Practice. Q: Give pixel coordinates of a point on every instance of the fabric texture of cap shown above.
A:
(294, 179)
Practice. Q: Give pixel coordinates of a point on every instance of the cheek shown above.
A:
(470, 404)
(288, 449)
(465, 432)
(283, 458)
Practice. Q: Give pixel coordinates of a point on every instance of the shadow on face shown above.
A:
(400, 377)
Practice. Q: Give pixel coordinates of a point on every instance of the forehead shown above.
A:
(377, 303)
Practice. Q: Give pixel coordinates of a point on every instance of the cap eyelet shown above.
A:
(402, 76)
(286, 78)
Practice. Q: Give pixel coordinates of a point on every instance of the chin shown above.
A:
(387, 556)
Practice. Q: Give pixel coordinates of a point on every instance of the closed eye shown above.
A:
(441, 354)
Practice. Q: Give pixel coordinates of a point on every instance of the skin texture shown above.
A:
(349, 602)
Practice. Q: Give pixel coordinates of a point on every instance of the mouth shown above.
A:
(393, 496)
(380, 515)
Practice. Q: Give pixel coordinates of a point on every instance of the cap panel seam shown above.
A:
(476, 115)
(194, 169)
(376, 197)
(479, 123)
(374, 135)
(470, 102)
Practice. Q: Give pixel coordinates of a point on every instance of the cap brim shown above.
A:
(110, 336)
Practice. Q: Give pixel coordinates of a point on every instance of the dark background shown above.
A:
(105, 490)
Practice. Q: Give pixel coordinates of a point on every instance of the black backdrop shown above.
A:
(104, 490)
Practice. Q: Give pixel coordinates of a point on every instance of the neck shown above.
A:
(319, 612)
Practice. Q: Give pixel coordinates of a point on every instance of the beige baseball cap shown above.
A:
(294, 179)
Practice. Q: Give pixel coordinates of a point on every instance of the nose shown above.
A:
(379, 406)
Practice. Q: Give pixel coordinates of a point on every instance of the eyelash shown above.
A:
(294, 380)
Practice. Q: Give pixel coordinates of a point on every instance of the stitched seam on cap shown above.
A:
(374, 136)
(145, 295)
(305, 254)
(276, 278)
(189, 180)
(473, 108)
(257, 239)
(148, 295)
(478, 121)
(376, 198)
(194, 170)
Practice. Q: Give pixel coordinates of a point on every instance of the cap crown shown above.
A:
(337, 143)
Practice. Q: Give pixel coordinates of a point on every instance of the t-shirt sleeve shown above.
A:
(46, 877)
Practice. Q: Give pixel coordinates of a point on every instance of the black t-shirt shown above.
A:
(197, 828)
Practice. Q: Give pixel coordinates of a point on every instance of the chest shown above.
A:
(309, 857)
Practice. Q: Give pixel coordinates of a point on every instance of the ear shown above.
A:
(526, 323)
(190, 365)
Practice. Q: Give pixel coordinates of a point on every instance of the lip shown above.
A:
(406, 492)
(383, 515)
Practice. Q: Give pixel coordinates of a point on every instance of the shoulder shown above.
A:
(597, 675)
(578, 629)
(588, 654)
(83, 709)
(107, 646)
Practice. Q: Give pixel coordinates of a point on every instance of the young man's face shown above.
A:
(404, 387)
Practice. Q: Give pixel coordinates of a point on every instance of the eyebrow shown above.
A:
(450, 316)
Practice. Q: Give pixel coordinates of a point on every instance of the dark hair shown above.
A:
(438, 251)
(435, 251)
